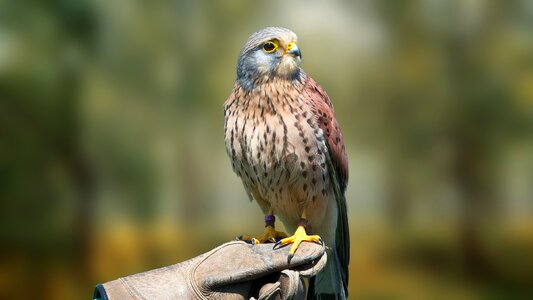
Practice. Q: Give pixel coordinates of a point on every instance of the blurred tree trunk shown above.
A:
(76, 33)
(471, 148)
(475, 205)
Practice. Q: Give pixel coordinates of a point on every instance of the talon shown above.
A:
(299, 236)
(289, 257)
(245, 238)
(277, 244)
(269, 235)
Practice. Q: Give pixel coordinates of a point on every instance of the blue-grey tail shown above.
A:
(328, 284)
(332, 281)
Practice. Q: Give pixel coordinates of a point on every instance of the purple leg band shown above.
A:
(270, 218)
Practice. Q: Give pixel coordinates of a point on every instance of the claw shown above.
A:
(245, 238)
(270, 235)
(299, 236)
(289, 257)
(276, 244)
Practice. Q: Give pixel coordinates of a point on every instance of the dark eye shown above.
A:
(269, 46)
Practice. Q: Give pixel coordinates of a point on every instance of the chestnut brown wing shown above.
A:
(325, 115)
(337, 160)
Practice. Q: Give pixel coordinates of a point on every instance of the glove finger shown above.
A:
(238, 261)
(270, 291)
(312, 268)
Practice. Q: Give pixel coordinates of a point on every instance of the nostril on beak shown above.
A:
(290, 46)
(293, 49)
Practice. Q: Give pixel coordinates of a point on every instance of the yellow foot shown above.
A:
(299, 236)
(270, 235)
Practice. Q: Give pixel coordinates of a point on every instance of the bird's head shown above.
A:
(269, 52)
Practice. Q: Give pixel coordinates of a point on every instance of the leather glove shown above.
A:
(234, 270)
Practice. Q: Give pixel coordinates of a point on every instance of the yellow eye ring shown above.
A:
(270, 46)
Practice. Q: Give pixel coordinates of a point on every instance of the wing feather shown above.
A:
(325, 115)
(337, 160)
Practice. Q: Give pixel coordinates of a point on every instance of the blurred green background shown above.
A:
(112, 158)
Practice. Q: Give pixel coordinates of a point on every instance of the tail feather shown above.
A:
(332, 281)
(328, 284)
(342, 241)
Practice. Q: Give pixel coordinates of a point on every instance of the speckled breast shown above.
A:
(277, 148)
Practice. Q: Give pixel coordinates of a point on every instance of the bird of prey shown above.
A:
(285, 144)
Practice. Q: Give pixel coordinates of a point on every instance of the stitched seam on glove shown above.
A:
(193, 283)
(131, 289)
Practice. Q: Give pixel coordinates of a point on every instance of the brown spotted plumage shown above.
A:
(285, 144)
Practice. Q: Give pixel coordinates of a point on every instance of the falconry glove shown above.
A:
(234, 270)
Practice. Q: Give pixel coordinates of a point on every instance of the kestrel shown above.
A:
(286, 145)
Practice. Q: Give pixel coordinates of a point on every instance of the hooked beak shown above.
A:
(293, 50)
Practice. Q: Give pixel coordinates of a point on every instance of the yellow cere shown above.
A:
(271, 46)
(290, 45)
